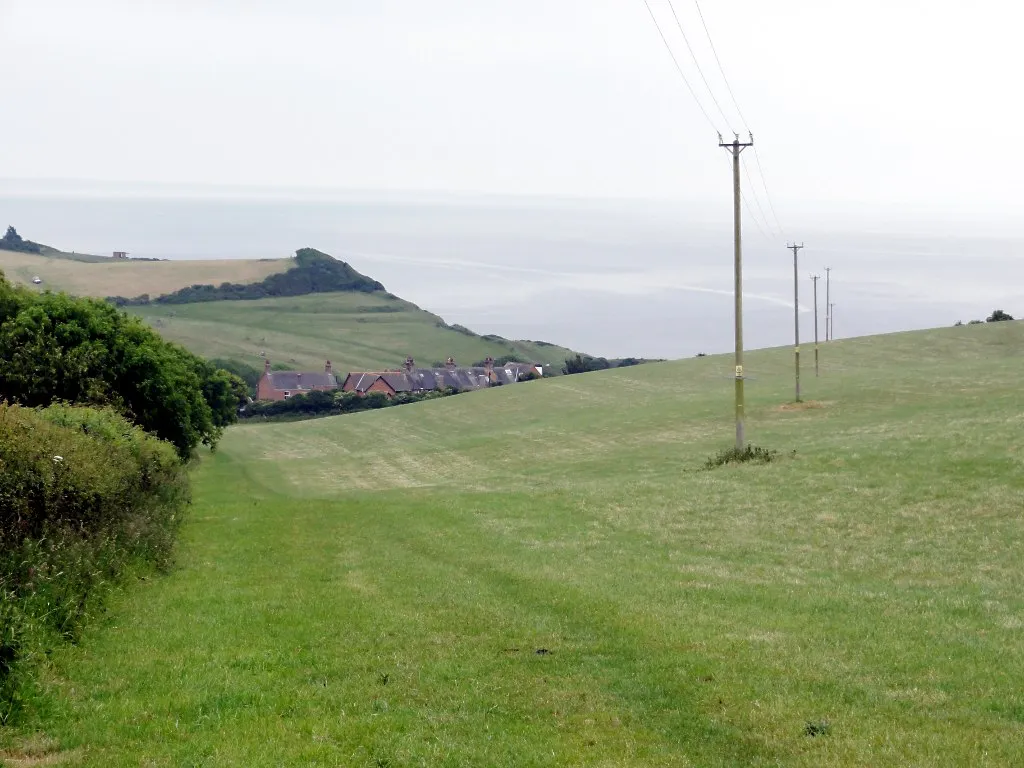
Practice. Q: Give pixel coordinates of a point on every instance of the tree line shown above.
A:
(997, 316)
(580, 363)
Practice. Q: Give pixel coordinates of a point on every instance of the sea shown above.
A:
(611, 278)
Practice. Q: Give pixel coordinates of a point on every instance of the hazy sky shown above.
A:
(903, 102)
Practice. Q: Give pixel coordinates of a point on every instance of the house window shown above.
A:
(287, 394)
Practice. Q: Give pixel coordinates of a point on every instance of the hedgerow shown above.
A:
(85, 496)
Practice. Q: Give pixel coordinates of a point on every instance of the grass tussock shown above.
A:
(751, 454)
(803, 405)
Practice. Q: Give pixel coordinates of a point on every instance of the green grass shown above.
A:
(355, 331)
(372, 590)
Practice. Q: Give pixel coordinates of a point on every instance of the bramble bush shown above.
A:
(85, 496)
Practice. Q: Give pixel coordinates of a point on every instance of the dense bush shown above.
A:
(584, 364)
(84, 495)
(56, 347)
(332, 404)
(314, 272)
(998, 316)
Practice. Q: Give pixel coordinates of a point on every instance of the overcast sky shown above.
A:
(905, 102)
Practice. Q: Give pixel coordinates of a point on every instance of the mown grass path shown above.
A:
(541, 576)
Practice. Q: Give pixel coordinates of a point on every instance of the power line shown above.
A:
(697, 64)
(720, 68)
(754, 218)
(735, 103)
(680, 69)
(757, 200)
(767, 194)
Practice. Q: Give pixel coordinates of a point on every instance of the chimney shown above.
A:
(450, 364)
(266, 365)
(489, 364)
(409, 364)
(299, 380)
(327, 368)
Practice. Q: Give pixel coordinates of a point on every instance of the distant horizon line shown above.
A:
(819, 212)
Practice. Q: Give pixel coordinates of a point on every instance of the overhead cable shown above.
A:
(679, 69)
(696, 63)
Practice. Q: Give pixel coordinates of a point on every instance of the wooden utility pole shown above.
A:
(735, 148)
(815, 279)
(796, 317)
(828, 305)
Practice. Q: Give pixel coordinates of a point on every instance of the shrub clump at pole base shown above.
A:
(751, 454)
(84, 497)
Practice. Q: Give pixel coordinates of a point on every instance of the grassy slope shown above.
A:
(372, 589)
(347, 328)
(109, 277)
(353, 330)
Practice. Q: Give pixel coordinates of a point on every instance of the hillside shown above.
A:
(101, 276)
(356, 331)
(542, 575)
(362, 328)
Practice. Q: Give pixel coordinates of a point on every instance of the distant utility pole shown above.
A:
(735, 147)
(815, 279)
(828, 305)
(796, 317)
(832, 320)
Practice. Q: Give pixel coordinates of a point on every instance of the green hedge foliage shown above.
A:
(84, 497)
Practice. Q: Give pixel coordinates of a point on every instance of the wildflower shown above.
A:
(58, 459)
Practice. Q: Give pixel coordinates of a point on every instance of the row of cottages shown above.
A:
(280, 385)
(412, 379)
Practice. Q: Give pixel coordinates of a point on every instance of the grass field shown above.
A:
(542, 575)
(355, 331)
(109, 277)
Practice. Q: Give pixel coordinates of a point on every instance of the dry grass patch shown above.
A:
(803, 405)
(133, 278)
(39, 751)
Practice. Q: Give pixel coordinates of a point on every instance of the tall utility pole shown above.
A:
(815, 279)
(796, 317)
(828, 305)
(735, 148)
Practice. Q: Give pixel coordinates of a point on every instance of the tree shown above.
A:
(998, 316)
(12, 241)
(250, 375)
(56, 347)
